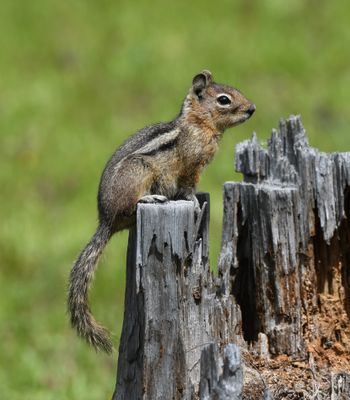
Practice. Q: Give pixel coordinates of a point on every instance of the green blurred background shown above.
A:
(76, 78)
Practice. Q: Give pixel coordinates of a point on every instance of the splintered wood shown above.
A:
(274, 323)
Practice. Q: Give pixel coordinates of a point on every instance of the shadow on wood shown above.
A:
(281, 294)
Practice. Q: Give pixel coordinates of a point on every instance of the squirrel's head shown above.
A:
(222, 105)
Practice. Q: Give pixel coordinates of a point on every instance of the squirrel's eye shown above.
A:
(223, 100)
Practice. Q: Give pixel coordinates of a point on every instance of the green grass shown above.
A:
(76, 79)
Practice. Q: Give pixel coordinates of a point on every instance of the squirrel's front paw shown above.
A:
(153, 198)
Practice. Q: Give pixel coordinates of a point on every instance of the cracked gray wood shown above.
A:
(167, 274)
(340, 386)
(284, 231)
(225, 386)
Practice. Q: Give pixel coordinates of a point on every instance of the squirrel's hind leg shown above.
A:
(131, 182)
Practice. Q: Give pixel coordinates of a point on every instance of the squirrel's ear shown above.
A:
(201, 81)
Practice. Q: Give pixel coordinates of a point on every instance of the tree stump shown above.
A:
(274, 323)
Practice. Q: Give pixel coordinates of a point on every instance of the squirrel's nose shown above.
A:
(251, 110)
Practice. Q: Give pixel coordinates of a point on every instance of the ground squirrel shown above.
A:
(159, 162)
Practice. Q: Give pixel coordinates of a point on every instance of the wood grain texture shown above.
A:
(163, 332)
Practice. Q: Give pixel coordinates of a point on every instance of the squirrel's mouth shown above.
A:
(250, 110)
(240, 120)
(245, 114)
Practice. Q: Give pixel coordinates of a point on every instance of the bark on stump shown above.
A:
(281, 294)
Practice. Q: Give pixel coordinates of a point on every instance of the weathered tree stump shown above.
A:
(281, 294)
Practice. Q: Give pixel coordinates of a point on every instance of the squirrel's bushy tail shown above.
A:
(79, 282)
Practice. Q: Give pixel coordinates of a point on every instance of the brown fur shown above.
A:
(164, 159)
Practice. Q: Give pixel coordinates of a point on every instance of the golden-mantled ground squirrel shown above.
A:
(159, 162)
